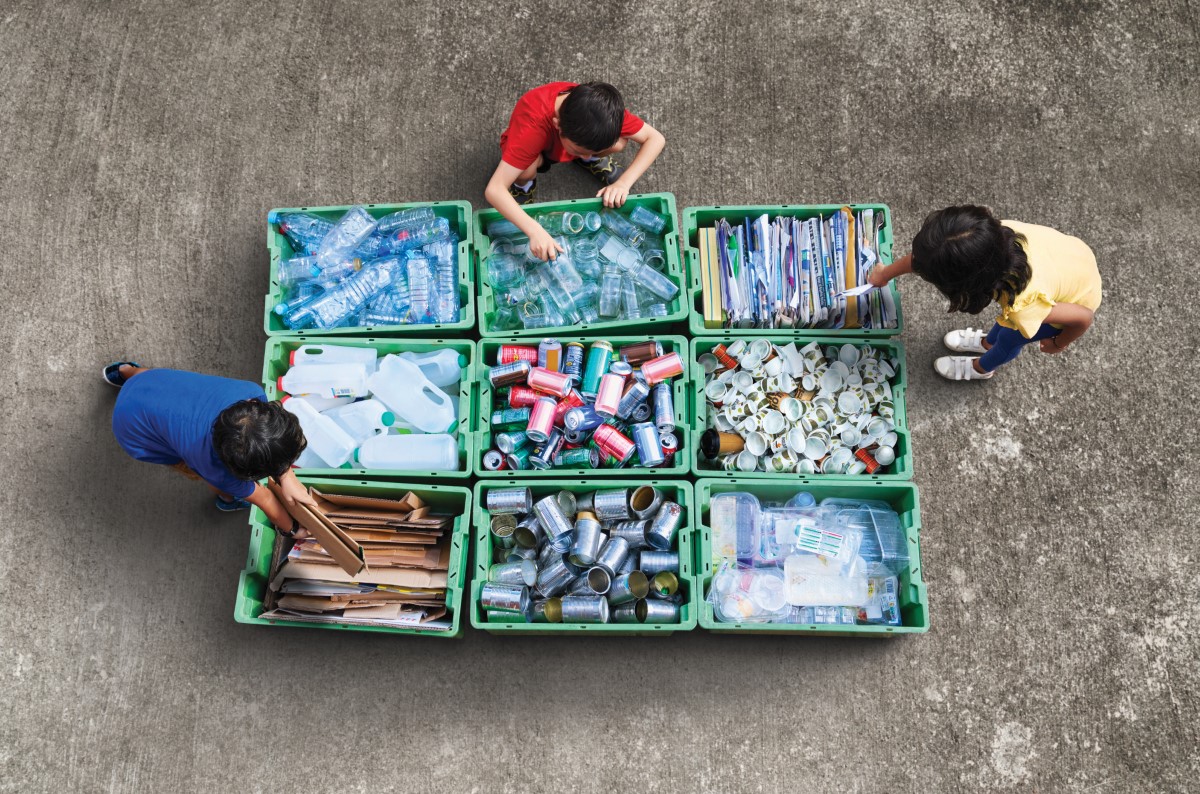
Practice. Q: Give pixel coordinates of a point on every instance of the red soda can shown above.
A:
(511, 353)
(662, 368)
(614, 443)
(548, 382)
(572, 400)
(522, 397)
(670, 445)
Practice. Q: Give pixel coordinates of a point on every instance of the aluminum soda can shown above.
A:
(541, 420)
(614, 443)
(598, 359)
(638, 352)
(662, 368)
(511, 353)
(664, 408)
(573, 400)
(522, 397)
(543, 456)
(634, 396)
(578, 458)
(493, 460)
(582, 418)
(550, 354)
(649, 447)
(518, 459)
(508, 374)
(508, 441)
(549, 382)
(510, 418)
(573, 361)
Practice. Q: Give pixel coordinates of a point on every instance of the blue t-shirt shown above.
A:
(166, 416)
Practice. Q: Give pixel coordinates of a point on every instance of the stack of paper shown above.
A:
(794, 273)
(368, 561)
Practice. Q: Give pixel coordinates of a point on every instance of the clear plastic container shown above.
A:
(812, 581)
(734, 519)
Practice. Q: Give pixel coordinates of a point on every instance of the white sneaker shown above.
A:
(959, 368)
(967, 340)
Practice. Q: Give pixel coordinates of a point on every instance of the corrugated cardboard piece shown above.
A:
(343, 549)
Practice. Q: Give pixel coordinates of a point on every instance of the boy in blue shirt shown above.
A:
(215, 429)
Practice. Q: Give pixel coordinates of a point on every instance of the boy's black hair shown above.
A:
(256, 439)
(970, 257)
(591, 116)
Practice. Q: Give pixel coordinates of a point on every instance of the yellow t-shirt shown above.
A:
(1063, 270)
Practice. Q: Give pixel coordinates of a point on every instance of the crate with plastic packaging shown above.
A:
(807, 557)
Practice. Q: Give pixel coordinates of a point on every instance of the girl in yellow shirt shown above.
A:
(1046, 282)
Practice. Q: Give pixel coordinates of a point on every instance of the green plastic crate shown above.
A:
(276, 362)
(663, 203)
(902, 469)
(681, 387)
(459, 215)
(252, 585)
(678, 491)
(695, 218)
(902, 496)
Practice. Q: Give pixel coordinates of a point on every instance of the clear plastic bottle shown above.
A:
(389, 307)
(347, 234)
(446, 304)
(305, 291)
(338, 303)
(298, 268)
(648, 219)
(413, 452)
(621, 227)
(410, 239)
(330, 443)
(420, 289)
(301, 228)
(503, 227)
(402, 387)
(610, 291)
(405, 219)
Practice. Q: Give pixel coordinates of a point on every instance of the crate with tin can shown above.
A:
(566, 556)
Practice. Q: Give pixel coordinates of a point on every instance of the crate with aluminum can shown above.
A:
(565, 405)
(769, 554)
(567, 556)
(780, 407)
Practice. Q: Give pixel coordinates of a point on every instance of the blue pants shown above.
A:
(1006, 344)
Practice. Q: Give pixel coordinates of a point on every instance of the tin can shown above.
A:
(543, 457)
(645, 501)
(511, 353)
(664, 525)
(493, 460)
(633, 532)
(598, 580)
(559, 530)
(611, 505)
(522, 397)
(664, 584)
(510, 419)
(649, 447)
(554, 579)
(518, 459)
(523, 572)
(598, 358)
(541, 420)
(652, 562)
(573, 400)
(583, 502)
(580, 586)
(496, 597)
(578, 458)
(573, 361)
(586, 543)
(638, 352)
(584, 609)
(550, 354)
(664, 408)
(517, 553)
(508, 441)
(634, 396)
(549, 382)
(628, 588)
(626, 613)
(582, 418)
(576, 570)
(614, 443)
(657, 612)
(502, 526)
(612, 386)
(612, 554)
(528, 532)
(641, 413)
(547, 611)
(508, 374)
(566, 503)
(662, 368)
(546, 555)
(509, 500)
(867, 458)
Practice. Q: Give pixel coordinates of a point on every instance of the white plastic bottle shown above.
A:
(401, 386)
(443, 367)
(335, 354)
(326, 380)
(415, 452)
(331, 443)
(309, 460)
(362, 419)
(323, 404)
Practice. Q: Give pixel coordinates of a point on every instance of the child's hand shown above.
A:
(878, 276)
(294, 492)
(542, 245)
(1052, 345)
(614, 195)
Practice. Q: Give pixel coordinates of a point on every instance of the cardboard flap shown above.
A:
(343, 549)
(400, 577)
(406, 504)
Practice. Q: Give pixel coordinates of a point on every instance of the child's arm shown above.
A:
(265, 501)
(651, 142)
(1074, 319)
(882, 274)
(540, 242)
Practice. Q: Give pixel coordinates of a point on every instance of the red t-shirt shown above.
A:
(531, 128)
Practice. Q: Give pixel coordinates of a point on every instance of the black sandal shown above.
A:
(112, 373)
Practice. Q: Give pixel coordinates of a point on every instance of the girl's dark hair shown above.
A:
(256, 439)
(970, 258)
(591, 116)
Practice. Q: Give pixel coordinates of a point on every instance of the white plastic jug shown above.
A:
(335, 354)
(323, 404)
(443, 367)
(326, 380)
(415, 451)
(331, 443)
(309, 460)
(362, 419)
(402, 386)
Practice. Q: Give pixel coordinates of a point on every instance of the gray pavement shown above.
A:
(141, 145)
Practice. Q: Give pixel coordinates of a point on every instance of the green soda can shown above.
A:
(599, 356)
(608, 461)
(578, 458)
(518, 459)
(510, 418)
(507, 442)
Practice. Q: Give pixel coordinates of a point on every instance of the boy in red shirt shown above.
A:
(559, 123)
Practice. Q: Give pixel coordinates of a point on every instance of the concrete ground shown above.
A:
(141, 145)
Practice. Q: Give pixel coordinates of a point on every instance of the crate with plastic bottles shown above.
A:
(618, 269)
(370, 269)
(377, 407)
(807, 557)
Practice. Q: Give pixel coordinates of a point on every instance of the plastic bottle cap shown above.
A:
(284, 398)
(388, 418)
(272, 217)
(462, 361)
(292, 358)
(279, 383)
(452, 426)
